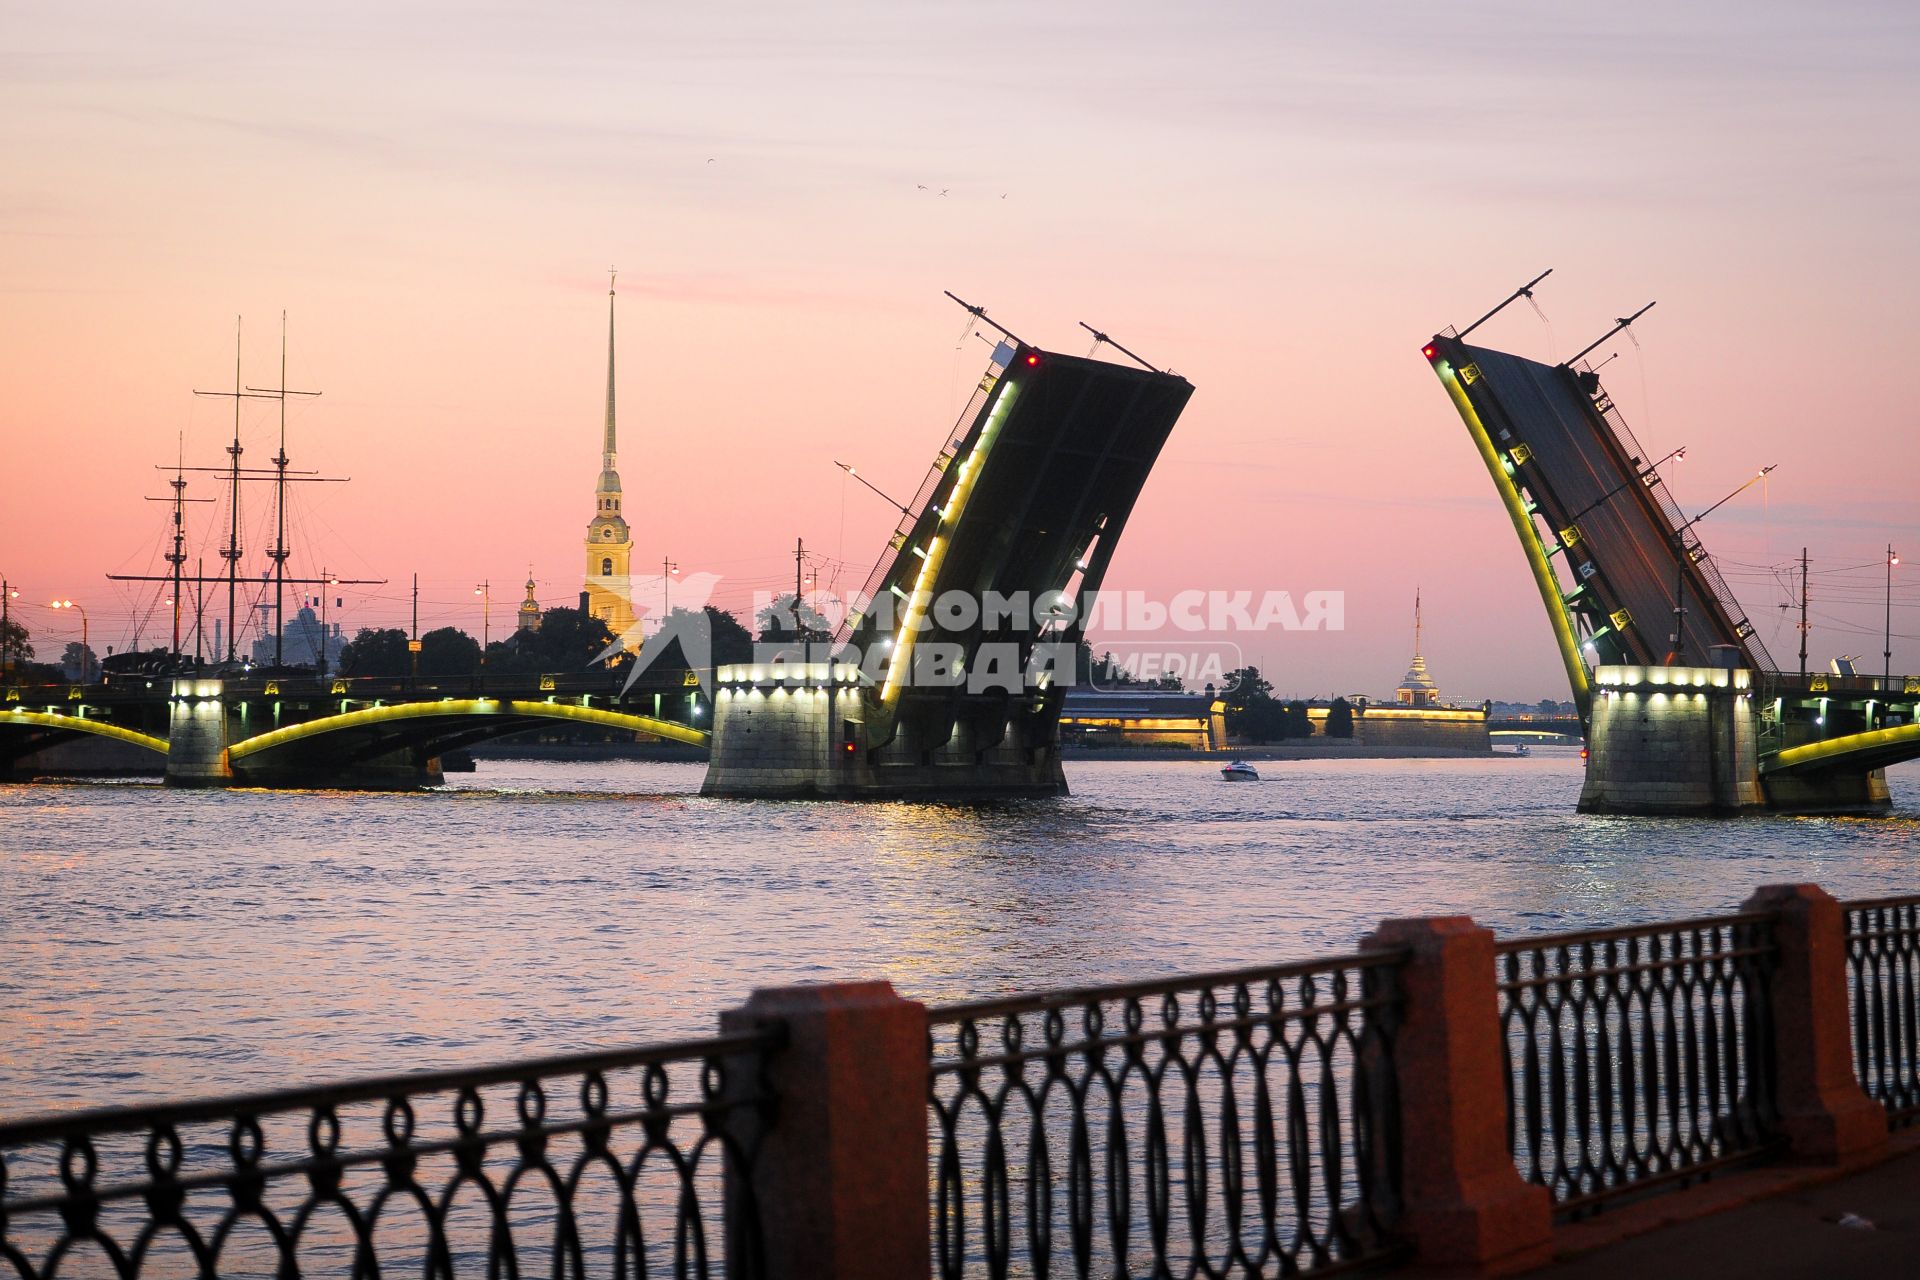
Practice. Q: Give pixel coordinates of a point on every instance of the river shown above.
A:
(163, 942)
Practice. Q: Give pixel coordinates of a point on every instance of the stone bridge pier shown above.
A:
(1685, 741)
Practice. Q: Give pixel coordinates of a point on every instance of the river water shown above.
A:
(160, 943)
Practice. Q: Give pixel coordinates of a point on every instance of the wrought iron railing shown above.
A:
(616, 1162)
(1240, 1123)
(1883, 972)
(1637, 1055)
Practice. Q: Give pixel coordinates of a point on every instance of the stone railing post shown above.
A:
(840, 1176)
(1825, 1116)
(1463, 1201)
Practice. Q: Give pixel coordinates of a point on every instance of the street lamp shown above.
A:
(1887, 675)
(8, 594)
(1681, 558)
(667, 569)
(331, 581)
(86, 649)
(1678, 455)
(485, 592)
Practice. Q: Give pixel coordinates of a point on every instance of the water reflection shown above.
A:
(167, 941)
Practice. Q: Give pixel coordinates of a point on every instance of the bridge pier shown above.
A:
(1676, 741)
(801, 729)
(1685, 741)
(197, 735)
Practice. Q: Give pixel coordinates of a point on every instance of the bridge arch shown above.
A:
(58, 722)
(1874, 749)
(457, 718)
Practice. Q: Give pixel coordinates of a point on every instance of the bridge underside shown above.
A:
(55, 744)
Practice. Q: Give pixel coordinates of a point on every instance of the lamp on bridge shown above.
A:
(1682, 557)
(1887, 675)
(485, 592)
(86, 649)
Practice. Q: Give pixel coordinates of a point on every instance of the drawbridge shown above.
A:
(1628, 586)
(944, 678)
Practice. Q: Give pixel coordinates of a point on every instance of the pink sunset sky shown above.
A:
(1281, 201)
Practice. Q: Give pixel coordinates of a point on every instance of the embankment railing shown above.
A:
(611, 1163)
(1883, 986)
(1436, 1095)
(1222, 1124)
(1637, 1055)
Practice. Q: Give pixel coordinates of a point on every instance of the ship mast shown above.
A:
(279, 553)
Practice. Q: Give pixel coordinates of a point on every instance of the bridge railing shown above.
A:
(1883, 986)
(1637, 1055)
(1223, 1124)
(1663, 498)
(613, 1162)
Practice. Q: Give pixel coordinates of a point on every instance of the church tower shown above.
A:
(529, 615)
(609, 543)
(1418, 689)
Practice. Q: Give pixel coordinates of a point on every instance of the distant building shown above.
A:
(304, 643)
(609, 543)
(529, 617)
(1144, 718)
(1418, 689)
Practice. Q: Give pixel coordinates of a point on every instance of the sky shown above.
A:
(1280, 201)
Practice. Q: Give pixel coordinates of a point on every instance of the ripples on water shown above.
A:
(160, 942)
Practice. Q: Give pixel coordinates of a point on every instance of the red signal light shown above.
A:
(1032, 358)
(1430, 351)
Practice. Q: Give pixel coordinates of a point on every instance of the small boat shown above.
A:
(1523, 750)
(1239, 771)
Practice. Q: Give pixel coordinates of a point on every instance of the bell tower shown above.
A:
(609, 543)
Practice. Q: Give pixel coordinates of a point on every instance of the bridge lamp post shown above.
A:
(8, 594)
(1680, 560)
(1678, 455)
(1887, 675)
(86, 649)
(485, 592)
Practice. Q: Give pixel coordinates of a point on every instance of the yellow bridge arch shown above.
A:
(1873, 749)
(458, 707)
(80, 724)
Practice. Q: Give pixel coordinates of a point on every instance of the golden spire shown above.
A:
(608, 464)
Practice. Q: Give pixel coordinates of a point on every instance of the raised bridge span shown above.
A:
(1643, 620)
(932, 687)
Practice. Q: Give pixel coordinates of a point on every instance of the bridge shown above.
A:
(302, 731)
(942, 679)
(1647, 629)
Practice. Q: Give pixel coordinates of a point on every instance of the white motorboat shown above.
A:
(1239, 771)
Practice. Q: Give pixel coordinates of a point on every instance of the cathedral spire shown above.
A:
(608, 464)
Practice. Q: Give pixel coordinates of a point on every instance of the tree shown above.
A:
(1298, 726)
(776, 621)
(77, 662)
(1340, 719)
(449, 651)
(377, 652)
(568, 640)
(1252, 713)
(14, 648)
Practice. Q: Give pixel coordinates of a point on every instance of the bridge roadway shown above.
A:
(300, 730)
(1602, 534)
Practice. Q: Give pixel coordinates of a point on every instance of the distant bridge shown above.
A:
(302, 731)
